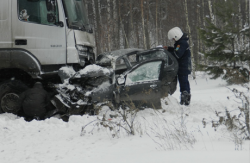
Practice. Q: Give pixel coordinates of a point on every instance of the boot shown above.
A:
(188, 99)
(185, 98)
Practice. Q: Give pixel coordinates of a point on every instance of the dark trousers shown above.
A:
(184, 83)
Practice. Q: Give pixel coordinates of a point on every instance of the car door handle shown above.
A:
(154, 86)
(21, 42)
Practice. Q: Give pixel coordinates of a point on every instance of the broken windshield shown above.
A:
(147, 72)
(76, 14)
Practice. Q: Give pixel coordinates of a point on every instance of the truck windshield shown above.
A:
(76, 14)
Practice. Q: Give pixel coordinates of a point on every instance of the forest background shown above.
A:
(120, 24)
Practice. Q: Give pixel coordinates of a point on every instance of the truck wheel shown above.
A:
(9, 96)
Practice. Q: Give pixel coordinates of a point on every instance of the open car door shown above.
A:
(170, 67)
(141, 86)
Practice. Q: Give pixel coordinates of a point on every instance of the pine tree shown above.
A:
(226, 49)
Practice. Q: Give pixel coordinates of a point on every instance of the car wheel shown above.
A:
(9, 96)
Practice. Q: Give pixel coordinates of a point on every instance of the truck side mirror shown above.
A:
(51, 18)
(50, 5)
(60, 24)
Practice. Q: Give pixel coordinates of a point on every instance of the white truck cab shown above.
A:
(37, 37)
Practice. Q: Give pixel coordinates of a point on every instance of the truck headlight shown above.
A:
(85, 54)
(82, 48)
(84, 51)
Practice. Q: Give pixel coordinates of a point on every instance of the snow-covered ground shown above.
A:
(55, 141)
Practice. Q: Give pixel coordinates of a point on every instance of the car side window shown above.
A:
(132, 59)
(38, 11)
(147, 72)
(156, 54)
(120, 66)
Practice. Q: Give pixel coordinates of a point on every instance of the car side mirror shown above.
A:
(121, 80)
(51, 18)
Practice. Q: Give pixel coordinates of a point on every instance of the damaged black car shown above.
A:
(131, 77)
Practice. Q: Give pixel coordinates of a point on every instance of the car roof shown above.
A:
(104, 59)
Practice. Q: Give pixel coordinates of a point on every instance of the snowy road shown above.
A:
(54, 141)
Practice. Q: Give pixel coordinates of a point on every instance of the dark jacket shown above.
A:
(182, 53)
(34, 101)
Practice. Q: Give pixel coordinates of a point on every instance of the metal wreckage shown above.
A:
(122, 77)
(65, 43)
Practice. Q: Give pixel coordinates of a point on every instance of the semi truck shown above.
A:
(37, 38)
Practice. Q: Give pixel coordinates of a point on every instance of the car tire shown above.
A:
(9, 96)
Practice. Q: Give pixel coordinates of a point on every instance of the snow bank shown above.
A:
(68, 70)
(55, 141)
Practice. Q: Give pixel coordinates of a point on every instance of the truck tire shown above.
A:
(9, 96)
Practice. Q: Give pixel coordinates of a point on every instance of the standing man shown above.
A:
(182, 53)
